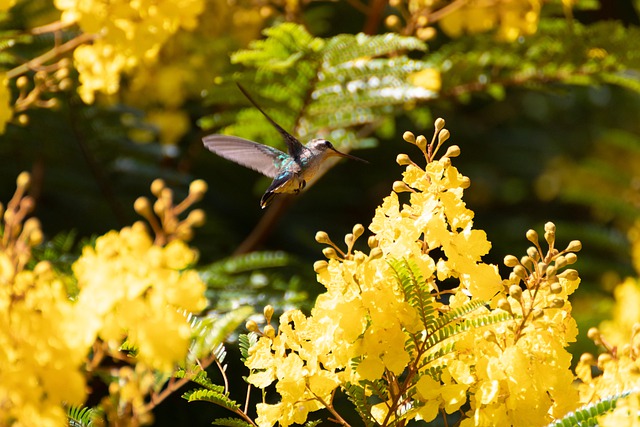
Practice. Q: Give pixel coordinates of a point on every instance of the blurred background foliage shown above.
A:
(541, 96)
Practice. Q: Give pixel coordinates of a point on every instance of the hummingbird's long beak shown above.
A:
(348, 156)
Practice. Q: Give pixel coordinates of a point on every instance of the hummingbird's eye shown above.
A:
(328, 145)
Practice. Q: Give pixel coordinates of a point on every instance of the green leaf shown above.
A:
(213, 396)
(230, 422)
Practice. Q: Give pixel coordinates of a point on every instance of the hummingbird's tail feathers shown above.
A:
(293, 145)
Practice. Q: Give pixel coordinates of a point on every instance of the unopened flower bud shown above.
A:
(268, 313)
(142, 206)
(569, 274)
(443, 135)
(557, 303)
(532, 236)
(330, 253)
(594, 335)
(357, 230)
(372, 241)
(349, 239)
(23, 180)
(196, 218)
(532, 252)
(503, 304)
(409, 137)
(322, 237)
(375, 253)
(520, 271)
(157, 186)
(574, 246)
(571, 258)
(555, 288)
(403, 160)
(453, 151)
(421, 142)
(439, 124)
(515, 291)
(270, 331)
(252, 326)
(320, 266)
(401, 187)
(587, 359)
(603, 359)
(550, 227)
(511, 261)
(197, 189)
(537, 313)
(465, 182)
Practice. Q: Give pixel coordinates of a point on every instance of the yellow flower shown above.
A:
(6, 112)
(130, 287)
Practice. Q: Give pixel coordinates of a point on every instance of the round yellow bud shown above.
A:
(511, 261)
(197, 189)
(372, 241)
(252, 326)
(65, 84)
(503, 304)
(27, 204)
(22, 82)
(320, 266)
(409, 137)
(443, 135)
(593, 334)
(537, 313)
(142, 206)
(322, 237)
(520, 271)
(421, 142)
(439, 123)
(603, 359)
(270, 331)
(555, 288)
(550, 227)
(196, 218)
(349, 239)
(358, 230)
(157, 186)
(587, 358)
(375, 253)
(403, 160)
(515, 291)
(532, 236)
(23, 180)
(574, 246)
(569, 274)
(532, 252)
(401, 187)
(557, 303)
(453, 151)
(465, 182)
(23, 119)
(268, 312)
(392, 22)
(571, 258)
(330, 253)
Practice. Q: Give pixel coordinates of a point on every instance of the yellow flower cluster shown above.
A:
(6, 112)
(128, 33)
(515, 372)
(512, 18)
(620, 362)
(128, 288)
(131, 287)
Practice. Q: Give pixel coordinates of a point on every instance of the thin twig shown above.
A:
(49, 55)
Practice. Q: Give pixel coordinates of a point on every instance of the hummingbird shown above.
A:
(290, 172)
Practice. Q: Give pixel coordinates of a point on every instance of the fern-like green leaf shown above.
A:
(312, 423)
(213, 396)
(246, 341)
(230, 422)
(415, 289)
(80, 416)
(357, 396)
(588, 415)
(201, 378)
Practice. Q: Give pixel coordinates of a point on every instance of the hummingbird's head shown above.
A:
(322, 146)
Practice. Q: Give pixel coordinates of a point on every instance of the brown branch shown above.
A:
(50, 55)
(374, 17)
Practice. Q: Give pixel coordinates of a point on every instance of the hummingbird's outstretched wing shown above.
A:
(262, 158)
(294, 146)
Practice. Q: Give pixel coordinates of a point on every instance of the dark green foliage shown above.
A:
(588, 415)
(254, 279)
(416, 291)
(571, 54)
